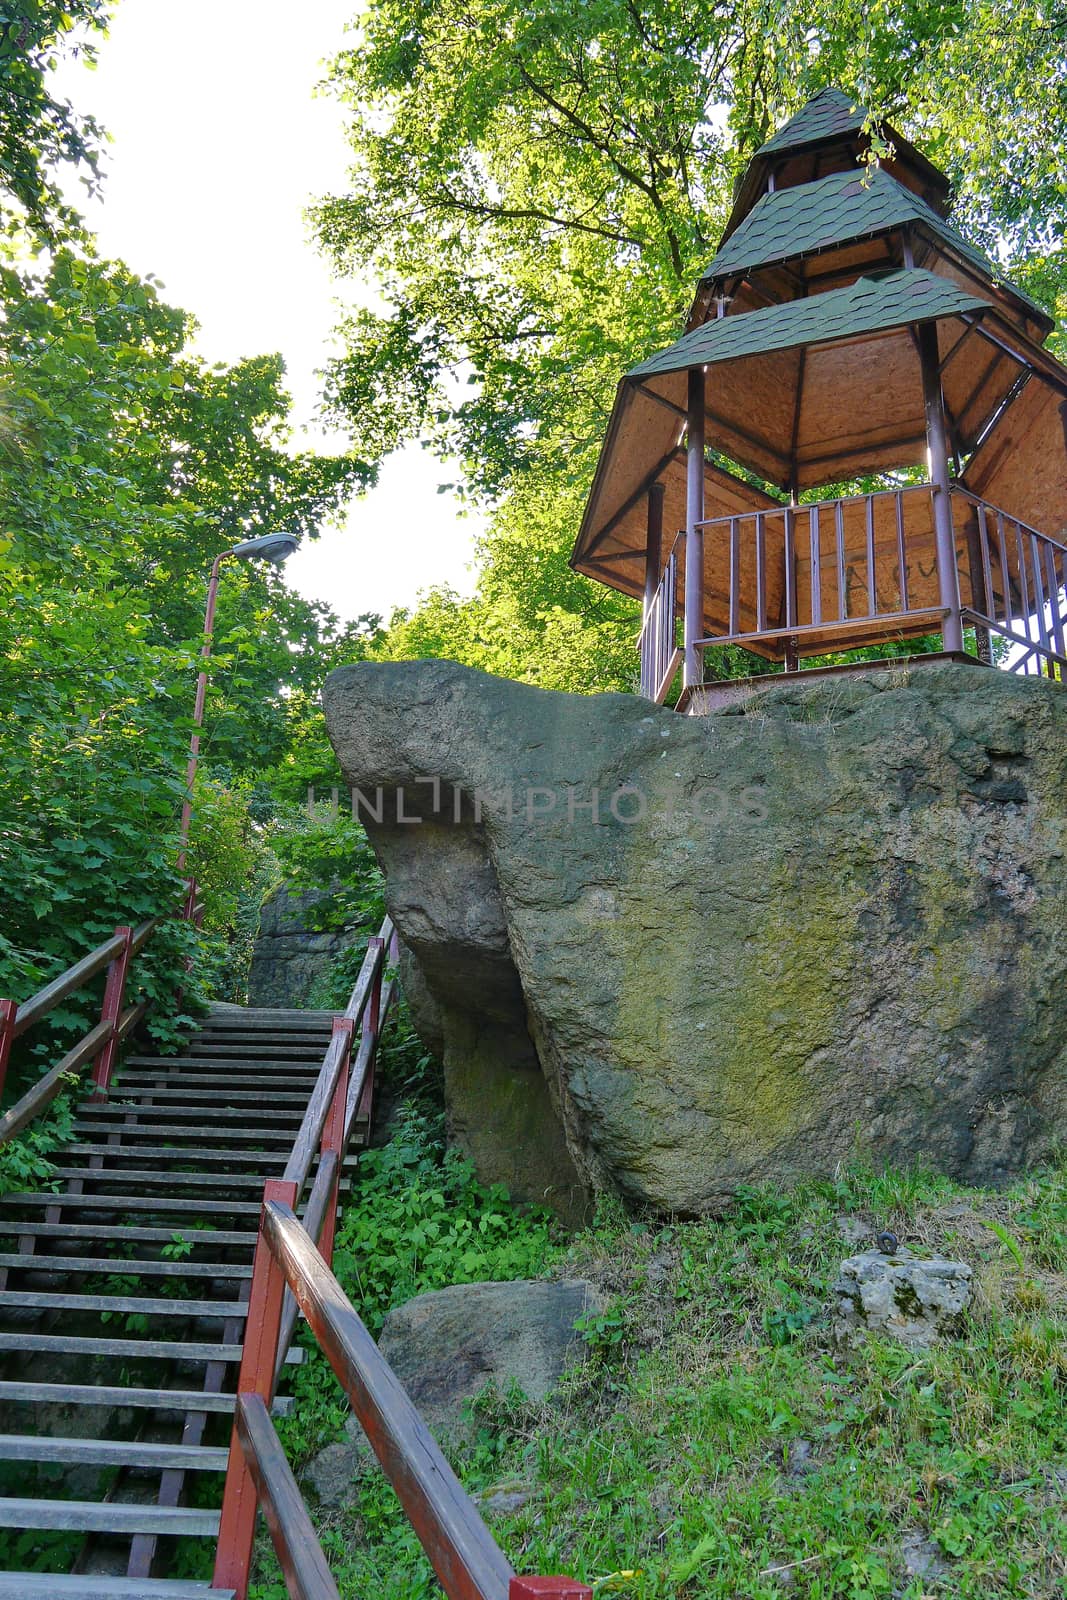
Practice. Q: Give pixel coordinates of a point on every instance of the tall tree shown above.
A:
(39, 131)
(537, 186)
(127, 464)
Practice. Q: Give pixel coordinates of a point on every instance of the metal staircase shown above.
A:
(122, 1303)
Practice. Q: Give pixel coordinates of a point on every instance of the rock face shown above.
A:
(290, 955)
(666, 956)
(446, 1346)
(912, 1300)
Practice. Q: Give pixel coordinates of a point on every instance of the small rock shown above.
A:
(853, 1229)
(921, 1557)
(908, 1298)
(335, 1471)
(797, 1459)
(503, 1499)
(447, 1345)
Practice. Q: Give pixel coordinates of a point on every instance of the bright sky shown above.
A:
(218, 146)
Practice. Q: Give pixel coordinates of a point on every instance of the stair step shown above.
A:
(258, 1045)
(43, 1300)
(63, 1586)
(221, 1014)
(111, 1453)
(129, 1202)
(259, 1159)
(110, 1395)
(240, 1078)
(216, 1237)
(219, 1057)
(165, 1176)
(123, 1266)
(123, 1107)
(194, 1133)
(139, 1094)
(129, 1349)
(108, 1516)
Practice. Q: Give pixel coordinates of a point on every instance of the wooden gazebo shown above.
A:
(844, 332)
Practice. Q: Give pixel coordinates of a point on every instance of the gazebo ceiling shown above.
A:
(833, 379)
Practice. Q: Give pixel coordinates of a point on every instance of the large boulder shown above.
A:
(291, 954)
(666, 956)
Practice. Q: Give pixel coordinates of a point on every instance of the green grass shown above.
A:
(716, 1443)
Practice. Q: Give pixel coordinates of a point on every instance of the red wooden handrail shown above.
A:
(102, 1041)
(291, 1268)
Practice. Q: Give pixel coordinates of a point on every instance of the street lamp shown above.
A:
(273, 547)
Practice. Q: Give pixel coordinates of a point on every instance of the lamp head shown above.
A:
(269, 547)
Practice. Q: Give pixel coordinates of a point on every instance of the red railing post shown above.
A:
(333, 1132)
(549, 1589)
(233, 1559)
(8, 1012)
(372, 1023)
(111, 1011)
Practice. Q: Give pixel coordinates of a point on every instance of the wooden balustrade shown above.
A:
(1014, 585)
(834, 575)
(100, 1044)
(658, 641)
(292, 1270)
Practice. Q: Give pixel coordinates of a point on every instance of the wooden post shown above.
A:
(948, 580)
(548, 1589)
(233, 1559)
(653, 545)
(693, 672)
(372, 1017)
(114, 989)
(333, 1135)
(8, 1012)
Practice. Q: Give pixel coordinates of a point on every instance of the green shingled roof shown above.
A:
(870, 305)
(836, 210)
(828, 115)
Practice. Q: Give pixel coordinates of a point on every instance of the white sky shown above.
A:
(218, 146)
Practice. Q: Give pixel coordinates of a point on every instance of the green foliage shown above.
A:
(709, 1457)
(25, 1161)
(38, 131)
(419, 1220)
(127, 465)
(604, 1332)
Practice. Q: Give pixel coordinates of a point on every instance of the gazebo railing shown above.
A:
(865, 562)
(658, 639)
(1018, 586)
(836, 574)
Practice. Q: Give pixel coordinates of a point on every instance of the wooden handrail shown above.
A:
(113, 955)
(331, 1162)
(296, 1543)
(309, 1134)
(46, 1089)
(68, 983)
(291, 1271)
(466, 1558)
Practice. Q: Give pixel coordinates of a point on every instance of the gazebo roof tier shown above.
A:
(829, 135)
(809, 225)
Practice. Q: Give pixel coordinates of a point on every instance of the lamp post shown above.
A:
(274, 547)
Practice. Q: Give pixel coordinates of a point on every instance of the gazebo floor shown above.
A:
(707, 699)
